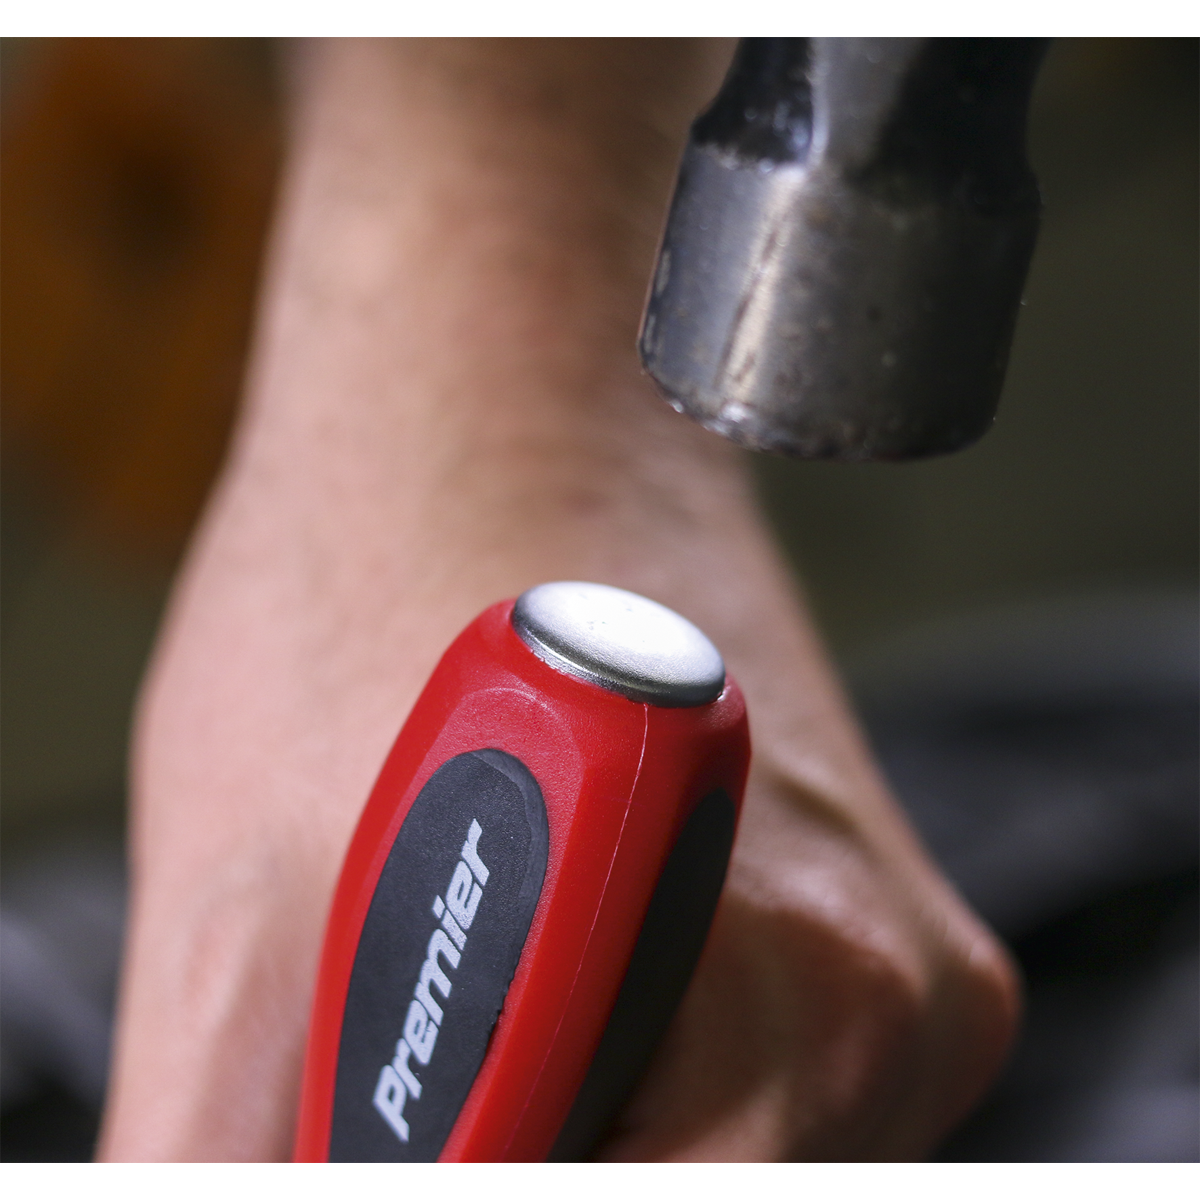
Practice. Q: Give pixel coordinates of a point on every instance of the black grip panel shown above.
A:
(438, 949)
(673, 934)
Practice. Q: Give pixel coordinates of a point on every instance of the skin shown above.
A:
(444, 408)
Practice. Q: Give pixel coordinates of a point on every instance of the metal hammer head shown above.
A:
(844, 256)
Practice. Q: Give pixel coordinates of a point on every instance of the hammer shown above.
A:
(843, 259)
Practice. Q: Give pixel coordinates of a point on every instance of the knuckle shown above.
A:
(853, 988)
(979, 1006)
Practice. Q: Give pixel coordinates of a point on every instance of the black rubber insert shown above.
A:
(673, 934)
(438, 950)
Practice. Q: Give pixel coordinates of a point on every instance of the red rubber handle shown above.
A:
(619, 780)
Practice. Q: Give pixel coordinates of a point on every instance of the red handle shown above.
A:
(620, 780)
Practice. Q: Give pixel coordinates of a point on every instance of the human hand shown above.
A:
(445, 409)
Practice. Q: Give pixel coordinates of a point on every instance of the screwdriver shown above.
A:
(529, 886)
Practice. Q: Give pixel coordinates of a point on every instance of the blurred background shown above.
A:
(1018, 622)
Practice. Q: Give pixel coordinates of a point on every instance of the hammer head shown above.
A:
(845, 251)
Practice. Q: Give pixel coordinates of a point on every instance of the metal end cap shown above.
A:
(620, 641)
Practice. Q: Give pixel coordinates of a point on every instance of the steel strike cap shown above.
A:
(620, 641)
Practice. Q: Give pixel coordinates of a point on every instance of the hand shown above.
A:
(444, 409)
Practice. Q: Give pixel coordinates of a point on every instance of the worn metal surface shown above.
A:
(844, 256)
(620, 641)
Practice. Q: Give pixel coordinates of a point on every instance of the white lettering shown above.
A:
(390, 1095)
(450, 925)
(463, 896)
(470, 853)
(401, 1067)
(397, 1082)
(420, 1032)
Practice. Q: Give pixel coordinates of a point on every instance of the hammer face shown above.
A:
(841, 280)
